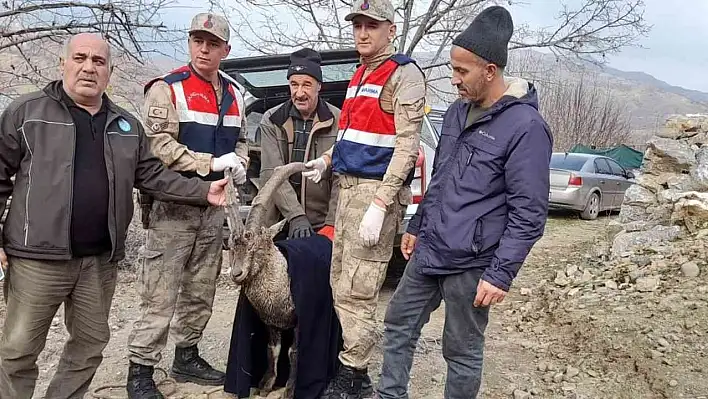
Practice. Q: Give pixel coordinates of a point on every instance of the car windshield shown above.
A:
(567, 161)
(278, 77)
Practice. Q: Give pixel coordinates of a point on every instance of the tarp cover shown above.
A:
(626, 156)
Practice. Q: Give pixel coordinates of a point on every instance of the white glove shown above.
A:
(370, 227)
(232, 161)
(317, 168)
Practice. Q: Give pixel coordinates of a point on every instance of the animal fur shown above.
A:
(261, 270)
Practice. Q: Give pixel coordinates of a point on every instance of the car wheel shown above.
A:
(592, 208)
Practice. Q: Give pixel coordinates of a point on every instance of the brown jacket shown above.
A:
(404, 97)
(277, 132)
(37, 146)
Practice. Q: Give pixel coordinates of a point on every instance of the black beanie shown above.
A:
(306, 62)
(488, 35)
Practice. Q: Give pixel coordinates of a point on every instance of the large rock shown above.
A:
(666, 155)
(624, 243)
(632, 213)
(699, 140)
(659, 214)
(684, 126)
(685, 182)
(636, 195)
(700, 173)
(691, 209)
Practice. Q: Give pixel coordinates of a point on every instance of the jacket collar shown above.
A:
(322, 114)
(374, 61)
(193, 71)
(519, 91)
(54, 91)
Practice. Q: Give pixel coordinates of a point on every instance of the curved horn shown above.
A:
(264, 199)
(232, 208)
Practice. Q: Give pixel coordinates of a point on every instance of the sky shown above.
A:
(675, 50)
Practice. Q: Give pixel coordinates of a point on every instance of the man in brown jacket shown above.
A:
(299, 130)
(76, 157)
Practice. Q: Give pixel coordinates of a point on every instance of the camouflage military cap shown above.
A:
(379, 10)
(212, 23)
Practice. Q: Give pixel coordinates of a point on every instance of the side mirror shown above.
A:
(630, 175)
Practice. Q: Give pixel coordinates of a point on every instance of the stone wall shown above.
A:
(670, 198)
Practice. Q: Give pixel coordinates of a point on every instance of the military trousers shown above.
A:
(358, 271)
(33, 292)
(178, 268)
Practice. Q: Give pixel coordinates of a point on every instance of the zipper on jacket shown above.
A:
(306, 157)
(107, 144)
(71, 179)
(29, 187)
(218, 110)
(71, 186)
(446, 169)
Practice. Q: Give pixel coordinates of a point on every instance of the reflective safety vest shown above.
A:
(367, 134)
(203, 125)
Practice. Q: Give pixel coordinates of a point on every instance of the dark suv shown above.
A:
(263, 82)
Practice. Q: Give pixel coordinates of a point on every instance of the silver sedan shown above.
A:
(587, 183)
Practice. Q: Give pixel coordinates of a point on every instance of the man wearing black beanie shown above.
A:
(479, 218)
(299, 130)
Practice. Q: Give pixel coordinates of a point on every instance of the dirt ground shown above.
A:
(551, 338)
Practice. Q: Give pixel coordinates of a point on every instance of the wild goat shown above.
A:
(261, 270)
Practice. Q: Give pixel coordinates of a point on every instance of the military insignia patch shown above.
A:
(158, 127)
(157, 112)
(209, 23)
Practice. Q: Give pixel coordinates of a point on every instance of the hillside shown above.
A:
(647, 100)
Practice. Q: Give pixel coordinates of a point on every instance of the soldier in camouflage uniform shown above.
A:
(374, 157)
(194, 118)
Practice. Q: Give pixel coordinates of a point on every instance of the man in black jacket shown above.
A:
(76, 157)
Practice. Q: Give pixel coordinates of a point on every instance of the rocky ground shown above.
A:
(574, 326)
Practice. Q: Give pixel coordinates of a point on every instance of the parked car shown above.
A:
(587, 183)
(263, 82)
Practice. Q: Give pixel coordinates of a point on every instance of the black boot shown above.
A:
(347, 384)
(367, 390)
(188, 366)
(140, 383)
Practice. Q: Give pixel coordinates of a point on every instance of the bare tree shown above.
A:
(591, 30)
(588, 31)
(32, 33)
(583, 110)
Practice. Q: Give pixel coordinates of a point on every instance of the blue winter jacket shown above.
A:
(487, 201)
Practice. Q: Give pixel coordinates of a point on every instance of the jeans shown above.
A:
(416, 297)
